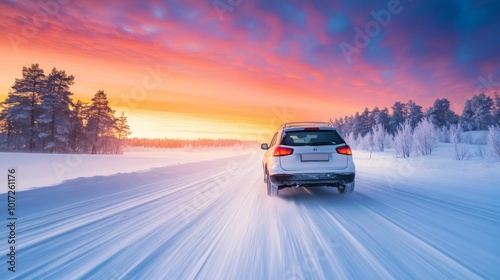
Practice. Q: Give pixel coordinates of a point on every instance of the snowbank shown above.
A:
(478, 174)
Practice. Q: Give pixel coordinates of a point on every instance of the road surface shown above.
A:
(213, 220)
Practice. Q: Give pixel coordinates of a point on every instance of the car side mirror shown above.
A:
(264, 146)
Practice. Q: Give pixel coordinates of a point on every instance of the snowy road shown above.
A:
(213, 220)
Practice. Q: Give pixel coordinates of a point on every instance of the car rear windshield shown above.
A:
(312, 138)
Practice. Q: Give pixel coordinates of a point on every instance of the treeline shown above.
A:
(479, 113)
(39, 115)
(182, 143)
(410, 129)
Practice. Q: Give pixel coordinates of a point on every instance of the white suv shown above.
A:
(308, 154)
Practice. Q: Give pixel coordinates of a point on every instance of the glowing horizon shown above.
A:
(262, 63)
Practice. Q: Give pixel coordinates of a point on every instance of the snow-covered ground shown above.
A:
(210, 218)
(38, 170)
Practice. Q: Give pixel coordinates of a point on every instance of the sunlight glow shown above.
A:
(156, 124)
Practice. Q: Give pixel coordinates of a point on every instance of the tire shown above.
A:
(346, 189)
(272, 189)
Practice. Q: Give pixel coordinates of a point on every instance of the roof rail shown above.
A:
(292, 124)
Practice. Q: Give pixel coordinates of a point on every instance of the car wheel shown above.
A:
(346, 189)
(272, 189)
(265, 177)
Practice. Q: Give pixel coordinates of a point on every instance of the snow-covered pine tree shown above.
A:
(381, 116)
(56, 113)
(339, 124)
(397, 118)
(122, 131)
(441, 115)
(5, 128)
(384, 118)
(366, 122)
(476, 114)
(496, 109)
(414, 113)
(466, 119)
(23, 107)
(356, 126)
(77, 139)
(100, 122)
(374, 114)
(348, 125)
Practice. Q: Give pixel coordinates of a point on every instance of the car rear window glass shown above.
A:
(312, 138)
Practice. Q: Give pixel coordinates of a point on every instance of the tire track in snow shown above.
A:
(56, 230)
(138, 230)
(370, 259)
(79, 229)
(67, 219)
(455, 268)
(447, 245)
(201, 238)
(454, 203)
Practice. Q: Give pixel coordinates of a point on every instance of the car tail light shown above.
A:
(344, 150)
(282, 151)
(311, 128)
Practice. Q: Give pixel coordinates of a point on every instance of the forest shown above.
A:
(39, 115)
(410, 129)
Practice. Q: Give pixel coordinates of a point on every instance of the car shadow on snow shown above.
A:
(313, 195)
(325, 198)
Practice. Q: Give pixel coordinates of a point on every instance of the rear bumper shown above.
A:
(312, 179)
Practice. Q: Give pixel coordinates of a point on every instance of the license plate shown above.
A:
(314, 157)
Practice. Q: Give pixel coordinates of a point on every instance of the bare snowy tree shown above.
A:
(403, 140)
(425, 138)
(366, 142)
(351, 140)
(459, 151)
(494, 140)
(379, 135)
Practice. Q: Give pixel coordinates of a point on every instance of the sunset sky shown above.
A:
(239, 68)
